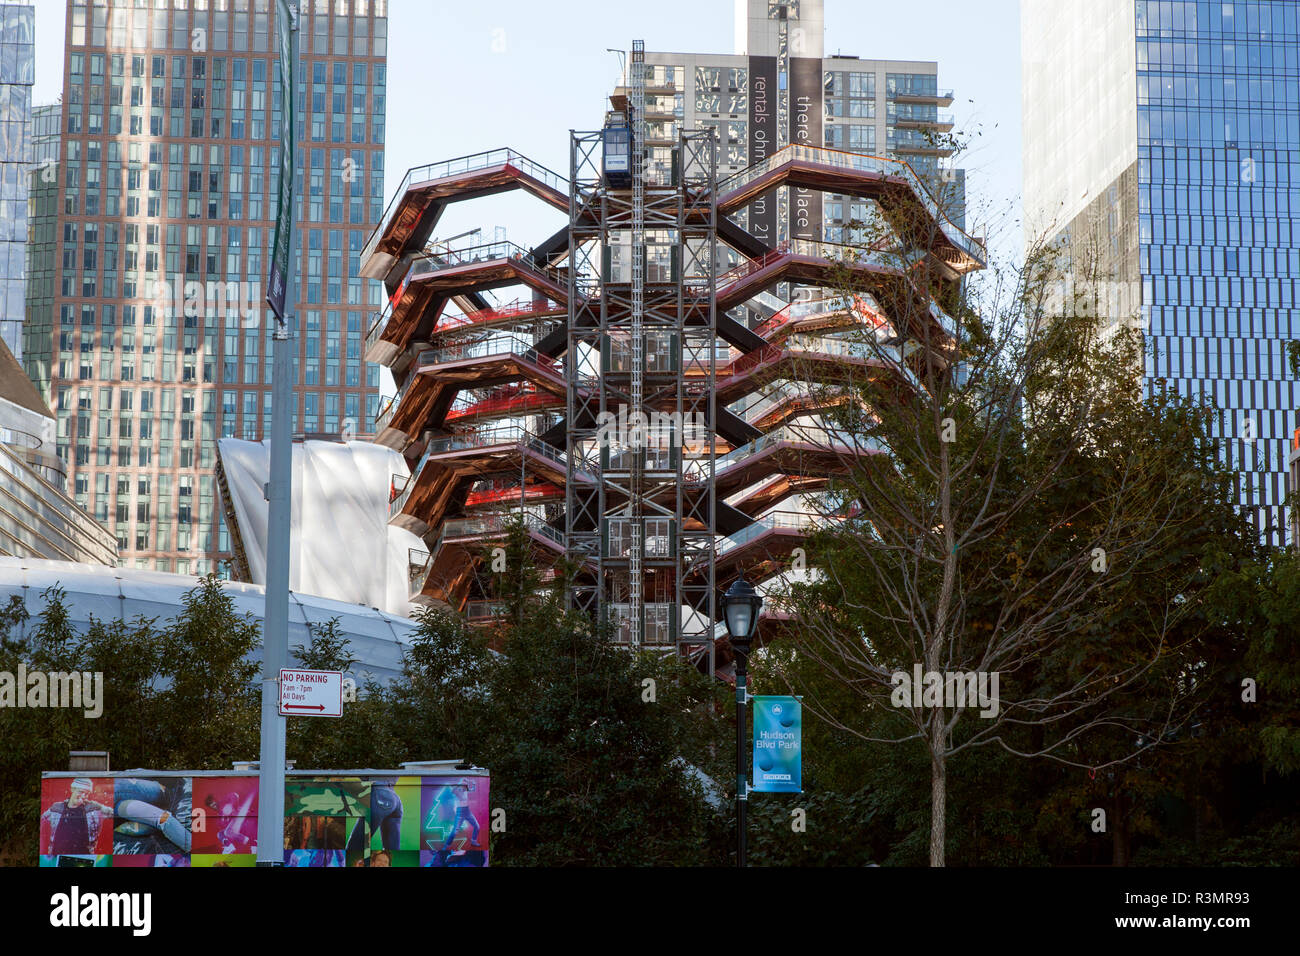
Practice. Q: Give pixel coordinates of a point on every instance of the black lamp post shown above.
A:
(740, 607)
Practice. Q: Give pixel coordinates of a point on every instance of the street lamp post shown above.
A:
(740, 607)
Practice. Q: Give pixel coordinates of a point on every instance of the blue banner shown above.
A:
(778, 745)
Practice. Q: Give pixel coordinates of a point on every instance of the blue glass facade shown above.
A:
(1218, 93)
(17, 74)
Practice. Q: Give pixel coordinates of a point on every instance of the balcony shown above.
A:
(480, 528)
(839, 311)
(917, 143)
(478, 268)
(426, 190)
(940, 121)
(891, 182)
(446, 572)
(934, 97)
(779, 521)
(417, 563)
(387, 407)
(814, 359)
(378, 322)
(442, 480)
(520, 311)
(487, 360)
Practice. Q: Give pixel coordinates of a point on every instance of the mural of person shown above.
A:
(464, 815)
(73, 825)
(386, 815)
(239, 835)
(147, 809)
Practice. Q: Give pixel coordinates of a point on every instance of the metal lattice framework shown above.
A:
(652, 331)
(642, 349)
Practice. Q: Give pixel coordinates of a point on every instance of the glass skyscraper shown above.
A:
(17, 74)
(42, 245)
(1163, 137)
(159, 338)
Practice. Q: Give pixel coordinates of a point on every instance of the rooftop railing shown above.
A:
(378, 322)
(496, 345)
(860, 163)
(466, 164)
(520, 309)
(388, 409)
(777, 521)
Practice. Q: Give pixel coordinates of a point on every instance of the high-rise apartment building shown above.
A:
(17, 74)
(1162, 148)
(779, 88)
(159, 335)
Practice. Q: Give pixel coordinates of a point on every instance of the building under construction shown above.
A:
(649, 402)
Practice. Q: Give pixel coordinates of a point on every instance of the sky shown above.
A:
(469, 76)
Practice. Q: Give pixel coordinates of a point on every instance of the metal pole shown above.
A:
(742, 776)
(279, 496)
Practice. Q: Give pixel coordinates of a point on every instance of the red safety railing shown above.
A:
(477, 499)
(788, 314)
(503, 404)
(745, 363)
(519, 309)
(750, 266)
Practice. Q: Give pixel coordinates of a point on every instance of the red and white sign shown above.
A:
(311, 693)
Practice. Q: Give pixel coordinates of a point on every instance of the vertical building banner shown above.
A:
(806, 111)
(778, 745)
(277, 284)
(762, 141)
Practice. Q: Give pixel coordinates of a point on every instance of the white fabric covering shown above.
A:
(341, 545)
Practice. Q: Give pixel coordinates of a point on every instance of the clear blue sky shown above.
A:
(467, 76)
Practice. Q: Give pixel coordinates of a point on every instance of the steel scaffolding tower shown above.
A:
(640, 366)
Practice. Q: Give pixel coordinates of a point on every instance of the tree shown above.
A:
(181, 694)
(590, 746)
(1007, 496)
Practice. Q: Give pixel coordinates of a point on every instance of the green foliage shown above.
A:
(178, 694)
(591, 772)
(587, 770)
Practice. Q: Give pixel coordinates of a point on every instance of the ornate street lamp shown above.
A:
(740, 607)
